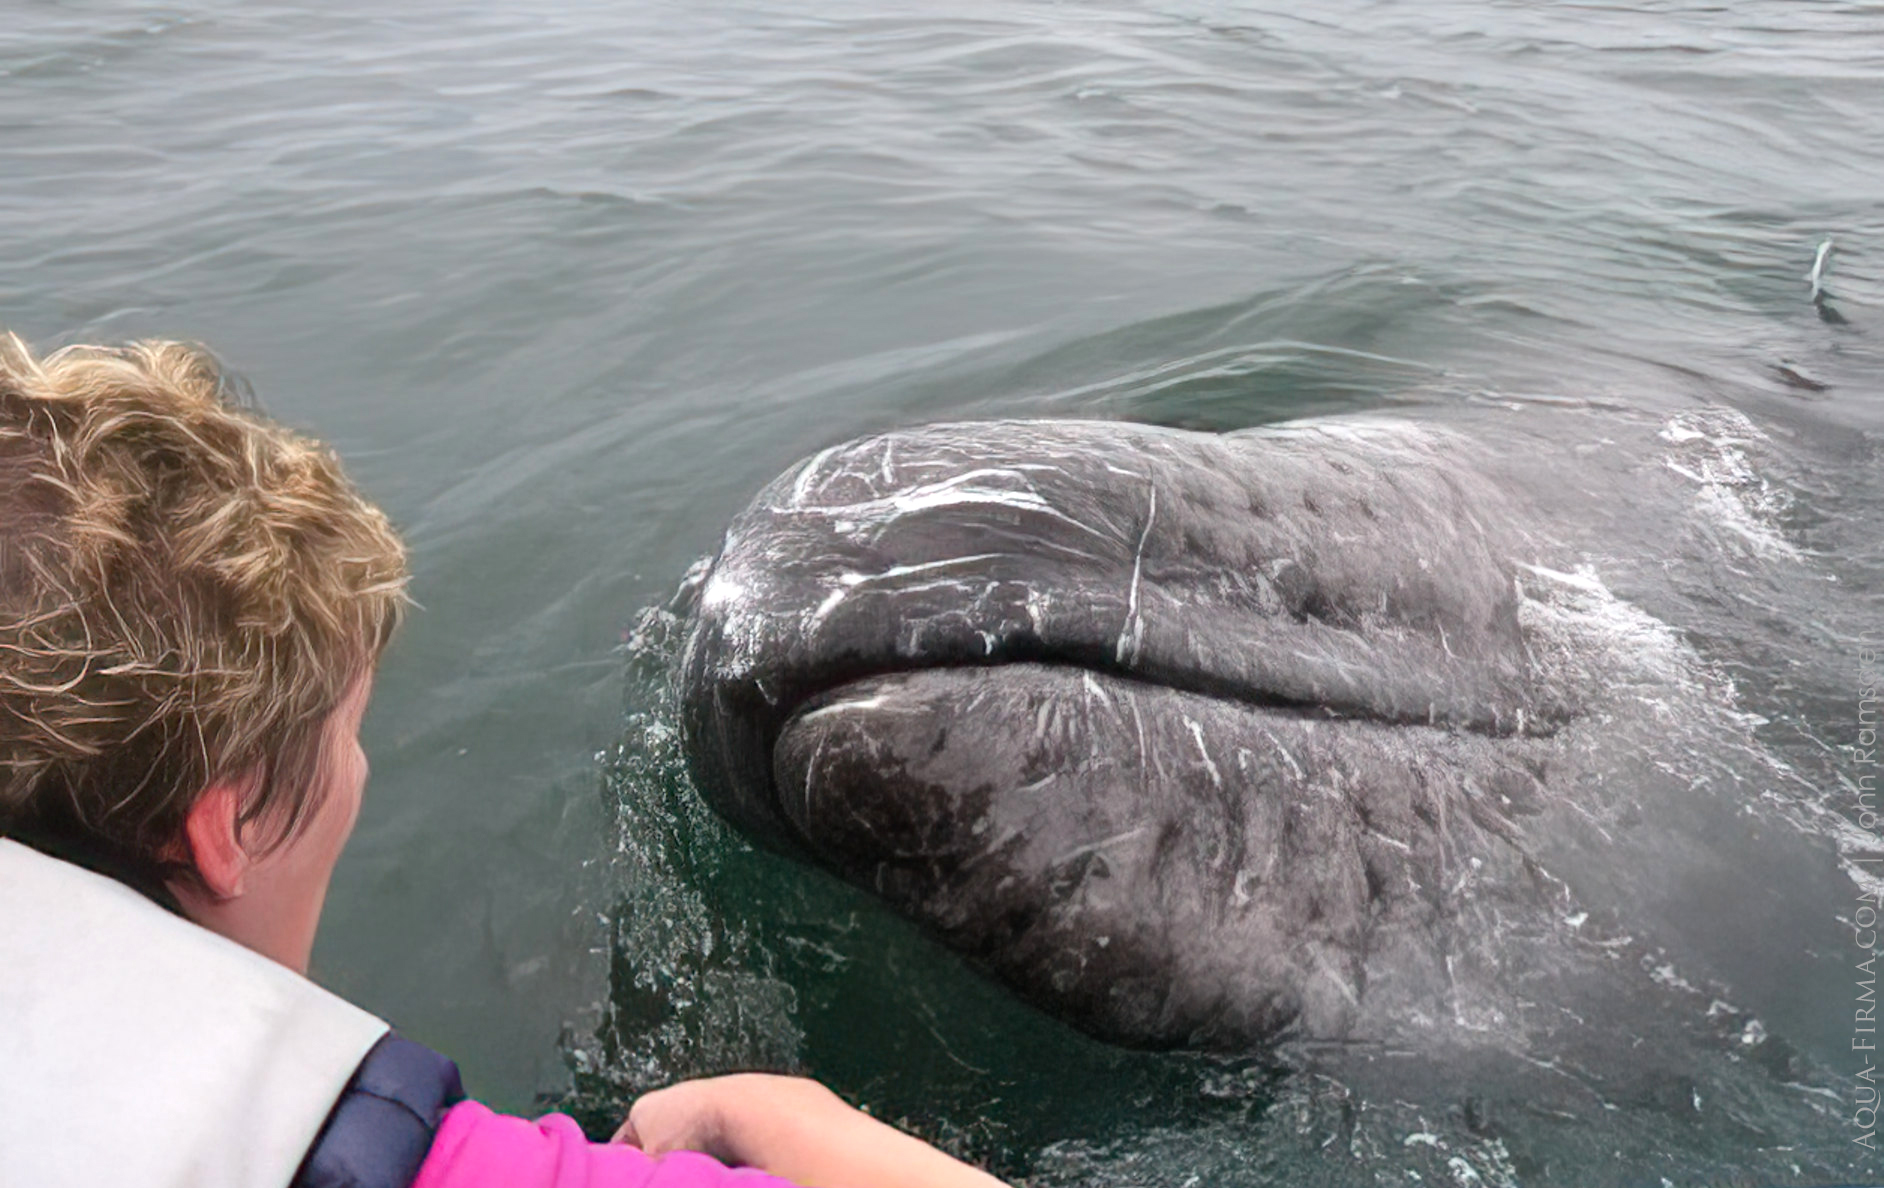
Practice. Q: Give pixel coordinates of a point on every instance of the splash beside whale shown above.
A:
(1321, 731)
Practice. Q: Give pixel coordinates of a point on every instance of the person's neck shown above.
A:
(281, 931)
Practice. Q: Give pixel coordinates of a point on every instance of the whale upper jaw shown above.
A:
(1316, 586)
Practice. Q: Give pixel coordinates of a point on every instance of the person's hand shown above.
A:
(726, 1117)
(795, 1129)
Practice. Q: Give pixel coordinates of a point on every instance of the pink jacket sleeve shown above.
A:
(475, 1148)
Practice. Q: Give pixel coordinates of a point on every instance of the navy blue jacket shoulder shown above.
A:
(382, 1126)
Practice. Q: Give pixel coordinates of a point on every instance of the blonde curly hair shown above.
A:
(187, 591)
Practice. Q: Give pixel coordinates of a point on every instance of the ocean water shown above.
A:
(567, 282)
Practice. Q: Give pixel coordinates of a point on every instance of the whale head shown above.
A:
(1191, 739)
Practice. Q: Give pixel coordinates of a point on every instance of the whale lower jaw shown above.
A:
(1158, 866)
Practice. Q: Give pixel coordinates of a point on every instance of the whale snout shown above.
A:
(1183, 737)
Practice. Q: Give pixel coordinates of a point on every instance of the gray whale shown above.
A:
(1324, 731)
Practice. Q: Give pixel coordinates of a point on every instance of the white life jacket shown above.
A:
(138, 1050)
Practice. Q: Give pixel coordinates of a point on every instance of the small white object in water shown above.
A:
(1817, 275)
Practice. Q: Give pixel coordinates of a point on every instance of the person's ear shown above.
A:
(214, 830)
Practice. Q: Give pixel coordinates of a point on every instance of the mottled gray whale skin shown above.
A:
(1191, 739)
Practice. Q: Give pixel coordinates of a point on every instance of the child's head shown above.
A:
(190, 597)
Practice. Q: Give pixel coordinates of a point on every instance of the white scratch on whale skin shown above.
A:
(1239, 890)
(1333, 975)
(1037, 604)
(1395, 842)
(1287, 758)
(1138, 724)
(824, 608)
(1103, 843)
(896, 571)
(959, 490)
(859, 703)
(1584, 579)
(801, 486)
(1134, 628)
(846, 582)
(1210, 765)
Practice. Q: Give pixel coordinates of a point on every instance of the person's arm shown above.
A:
(792, 1128)
(475, 1148)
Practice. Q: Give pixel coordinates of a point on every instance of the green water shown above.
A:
(566, 283)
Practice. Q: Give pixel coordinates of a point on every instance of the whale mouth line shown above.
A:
(1484, 723)
(830, 696)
